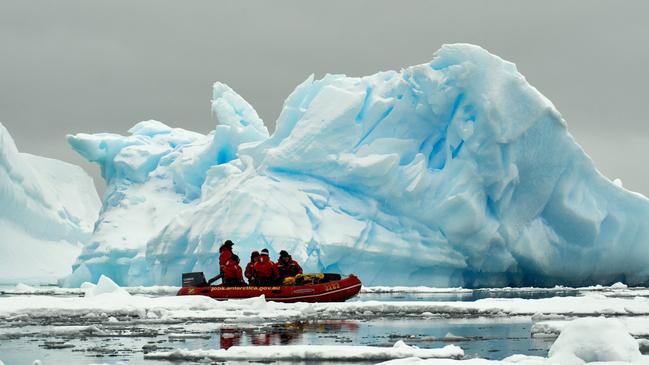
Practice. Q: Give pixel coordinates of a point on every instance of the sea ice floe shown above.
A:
(119, 303)
(310, 353)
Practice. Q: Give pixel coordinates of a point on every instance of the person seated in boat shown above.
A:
(286, 266)
(225, 253)
(250, 270)
(266, 272)
(232, 274)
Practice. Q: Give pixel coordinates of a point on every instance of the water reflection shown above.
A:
(230, 337)
(282, 334)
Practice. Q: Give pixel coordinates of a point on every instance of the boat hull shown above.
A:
(333, 291)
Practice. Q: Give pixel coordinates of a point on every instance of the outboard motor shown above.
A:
(194, 280)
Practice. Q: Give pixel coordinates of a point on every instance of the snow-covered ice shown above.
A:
(47, 212)
(24, 289)
(311, 353)
(452, 173)
(111, 300)
(594, 340)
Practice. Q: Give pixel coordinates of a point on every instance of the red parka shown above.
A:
(250, 270)
(224, 255)
(265, 269)
(290, 268)
(232, 272)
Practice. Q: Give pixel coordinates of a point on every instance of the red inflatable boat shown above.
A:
(326, 290)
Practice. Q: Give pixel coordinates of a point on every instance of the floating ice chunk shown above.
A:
(106, 286)
(256, 303)
(619, 285)
(24, 288)
(594, 339)
(312, 352)
(450, 337)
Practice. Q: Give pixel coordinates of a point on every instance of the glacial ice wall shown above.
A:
(47, 212)
(455, 172)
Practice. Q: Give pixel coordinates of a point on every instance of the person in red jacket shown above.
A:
(225, 253)
(265, 270)
(287, 266)
(232, 275)
(250, 270)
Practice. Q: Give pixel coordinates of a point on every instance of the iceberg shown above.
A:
(47, 212)
(455, 172)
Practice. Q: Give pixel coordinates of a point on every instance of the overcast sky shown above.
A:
(85, 66)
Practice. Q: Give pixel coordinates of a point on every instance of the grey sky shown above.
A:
(85, 66)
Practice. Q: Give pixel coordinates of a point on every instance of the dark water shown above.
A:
(486, 338)
(479, 337)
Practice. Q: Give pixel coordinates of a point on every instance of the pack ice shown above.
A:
(456, 172)
(47, 211)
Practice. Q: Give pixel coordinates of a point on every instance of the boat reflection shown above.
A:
(281, 334)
